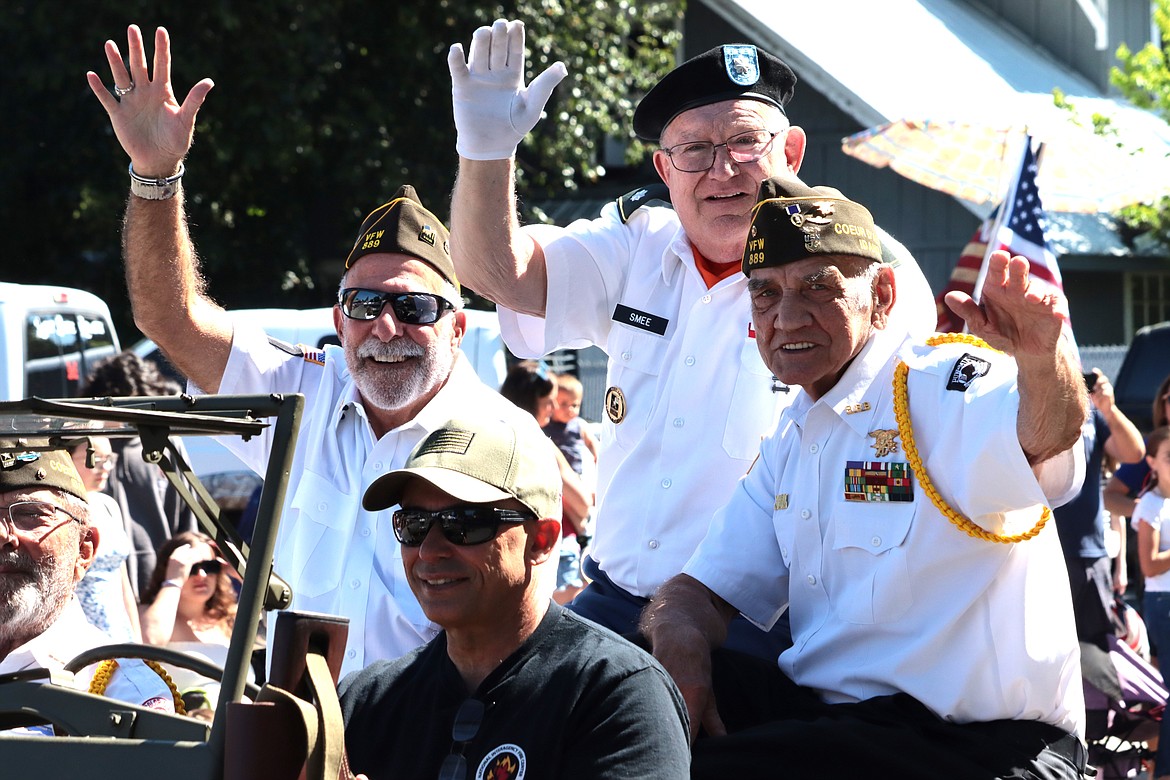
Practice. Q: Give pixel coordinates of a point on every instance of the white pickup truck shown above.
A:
(50, 337)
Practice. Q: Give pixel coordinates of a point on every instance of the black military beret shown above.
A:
(403, 225)
(732, 71)
(793, 221)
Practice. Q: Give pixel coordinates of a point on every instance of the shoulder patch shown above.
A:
(303, 351)
(650, 195)
(966, 370)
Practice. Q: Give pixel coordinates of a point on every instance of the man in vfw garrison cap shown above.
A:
(398, 373)
(900, 513)
(46, 546)
(659, 289)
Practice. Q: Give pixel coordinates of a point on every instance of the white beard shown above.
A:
(399, 384)
(29, 605)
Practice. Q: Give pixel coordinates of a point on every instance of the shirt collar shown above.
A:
(69, 634)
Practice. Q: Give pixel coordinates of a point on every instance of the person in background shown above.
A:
(190, 605)
(570, 432)
(531, 386)
(1093, 576)
(1150, 516)
(514, 686)
(1123, 488)
(105, 593)
(151, 507)
(46, 545)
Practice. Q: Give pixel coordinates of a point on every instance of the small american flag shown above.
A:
(1021, 232)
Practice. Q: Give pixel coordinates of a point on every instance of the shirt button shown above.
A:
(690, 361)
(805, 514)
(706, 299)
(365, 532)
(678, 422)
(377, 465)
(814, 448)
(666, 482)
(625, 356)
(322, 506)
(352, 654)
(652, 544)
(355, 584)
(812, 580)
(876, 541)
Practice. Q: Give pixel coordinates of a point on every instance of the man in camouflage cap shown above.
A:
(898, 512)
(46, 546)
(398, 372)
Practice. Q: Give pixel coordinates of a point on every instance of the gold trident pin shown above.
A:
(884, 441)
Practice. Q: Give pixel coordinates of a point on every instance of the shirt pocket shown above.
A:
(636, 360)
(753, 405)
(318, 540)
(869, 546)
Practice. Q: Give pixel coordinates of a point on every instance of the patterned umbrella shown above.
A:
(1079, 170)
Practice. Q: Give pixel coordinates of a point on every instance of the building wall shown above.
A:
(1062, 28)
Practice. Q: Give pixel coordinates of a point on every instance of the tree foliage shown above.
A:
(1143, 77)
(319, 112)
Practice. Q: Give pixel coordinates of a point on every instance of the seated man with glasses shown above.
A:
(514, 686)
(46, 546)
(398, 373)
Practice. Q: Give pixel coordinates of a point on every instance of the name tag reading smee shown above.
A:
(640, 319)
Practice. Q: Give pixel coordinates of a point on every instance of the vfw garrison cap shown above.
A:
(480, 461)
(33, 469)
(733, 71)
(404, 225)
(792, 221)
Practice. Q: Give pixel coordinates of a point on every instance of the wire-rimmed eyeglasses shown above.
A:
(33, 520)
(467, 721)
(697, 156)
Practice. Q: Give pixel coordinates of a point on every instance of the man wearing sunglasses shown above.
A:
(515, 686)
(659, 289)
(46, 546)
(398, 373)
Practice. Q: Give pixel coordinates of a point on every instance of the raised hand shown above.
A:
(1010, 315)
(154, 129)
(493, 109)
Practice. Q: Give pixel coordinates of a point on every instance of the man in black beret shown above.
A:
(899, 513)
(46, 546)
(398, 372)
(659, 289)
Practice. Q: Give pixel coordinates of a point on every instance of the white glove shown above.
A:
(493, 109)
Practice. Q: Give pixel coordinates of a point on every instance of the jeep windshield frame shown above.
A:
(132, 735)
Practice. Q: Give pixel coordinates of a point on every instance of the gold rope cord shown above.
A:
(906, 430)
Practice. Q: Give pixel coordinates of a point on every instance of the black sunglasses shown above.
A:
(463, 525)
(410, 308)
(467, 721)
(210, 568)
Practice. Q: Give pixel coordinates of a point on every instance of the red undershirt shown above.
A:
(712, 273)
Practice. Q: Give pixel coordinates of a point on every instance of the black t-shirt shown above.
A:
(574, 701)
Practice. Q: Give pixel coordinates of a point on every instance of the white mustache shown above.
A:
(398, 349)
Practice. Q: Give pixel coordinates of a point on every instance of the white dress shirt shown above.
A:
(890, 596)
(339, 558)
